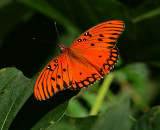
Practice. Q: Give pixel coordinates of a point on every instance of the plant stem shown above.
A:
(150, 14)
(101, 94)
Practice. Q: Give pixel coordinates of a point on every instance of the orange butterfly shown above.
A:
(91, 56)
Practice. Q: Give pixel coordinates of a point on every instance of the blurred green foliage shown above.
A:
(122, 100)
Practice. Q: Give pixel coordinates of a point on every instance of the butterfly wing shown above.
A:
(98, 47)
(83, 73)
(61, 73)
(54, 77)
(102, 35)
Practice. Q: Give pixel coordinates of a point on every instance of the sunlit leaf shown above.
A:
(72, 123)
(15, 89)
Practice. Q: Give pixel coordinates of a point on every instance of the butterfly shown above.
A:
(89, 58)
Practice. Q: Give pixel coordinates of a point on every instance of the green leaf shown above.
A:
(149, 121)
(52, 117)
(70, 123)
(76, 109)
(115, 118)
(15, 89)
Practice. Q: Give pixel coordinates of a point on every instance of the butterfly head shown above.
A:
(62, 48)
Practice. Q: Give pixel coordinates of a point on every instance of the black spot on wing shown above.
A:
(84, 39)
(55, 61)
(64, 70)
(59, 76)
(58, 87)
(52, 89)
(70, 83)
(79, 40)
(112, 38)
(65, 84)
(49, 67)
(100, 39)
(114, 33)
(87, 34)
(53, 78)
(101, 35)
(77, 85)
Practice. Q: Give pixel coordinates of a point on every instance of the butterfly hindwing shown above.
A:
(83, 73)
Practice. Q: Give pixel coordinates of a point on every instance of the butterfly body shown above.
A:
(90, 57)
(62, 48)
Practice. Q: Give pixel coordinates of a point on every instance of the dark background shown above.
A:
(20, 23)
(139, 44)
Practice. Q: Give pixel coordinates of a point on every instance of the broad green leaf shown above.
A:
(71, 123)
(76, 109)
(149, 121)
(115, 118)
(15, 89)
(52, 117)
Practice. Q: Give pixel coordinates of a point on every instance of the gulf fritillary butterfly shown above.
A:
(90, 57)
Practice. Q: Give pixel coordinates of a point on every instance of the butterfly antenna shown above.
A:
(57, 30)
(41, 40)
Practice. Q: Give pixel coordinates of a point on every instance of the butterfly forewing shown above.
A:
(102, 35)
(55, 76)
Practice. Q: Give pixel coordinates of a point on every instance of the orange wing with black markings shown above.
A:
(54, 77)
(91, 56)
